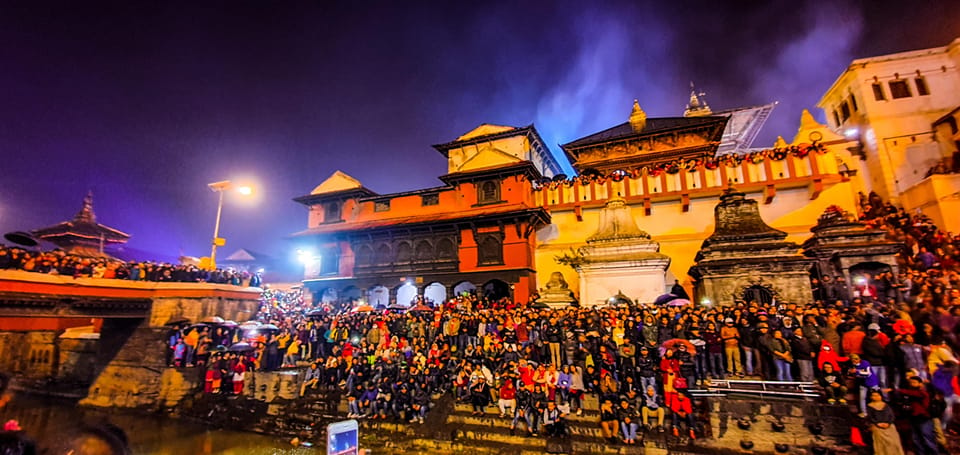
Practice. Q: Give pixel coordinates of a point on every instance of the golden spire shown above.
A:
(807, 122)
(638, 118)
(697, 106)
(780, 143)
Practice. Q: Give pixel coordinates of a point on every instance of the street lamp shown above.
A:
(221, 187)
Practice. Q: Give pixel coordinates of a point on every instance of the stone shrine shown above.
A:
(746, 259)
(619, 258)
(844, 246)
(557, 293)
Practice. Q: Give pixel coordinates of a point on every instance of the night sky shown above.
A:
(146, 102)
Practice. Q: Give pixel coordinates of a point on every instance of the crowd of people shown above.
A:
(886, 343)
(58, 262)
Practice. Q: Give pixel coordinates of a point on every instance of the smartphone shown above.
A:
(343, 438)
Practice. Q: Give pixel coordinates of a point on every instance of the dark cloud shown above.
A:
(147, 102)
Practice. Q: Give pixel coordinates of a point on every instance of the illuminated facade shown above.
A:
(476, 232)
(505, 222)
(889, 104)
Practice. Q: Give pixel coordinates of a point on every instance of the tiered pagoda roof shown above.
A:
(82, 234)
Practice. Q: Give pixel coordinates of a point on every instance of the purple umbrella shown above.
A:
(663, 299)
(678, 302)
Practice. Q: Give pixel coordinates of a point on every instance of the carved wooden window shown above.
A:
(424, 251)
(489, 249)
(853, 103)
(404, 252)
(430, 199)
(331, 212)
(329, 261)
(899, 89)
(445, 249)
(489, 192)
(381, 206)
(384, 254)
(844, 111)
(364, 255)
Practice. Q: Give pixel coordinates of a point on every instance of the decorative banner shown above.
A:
(690, 165)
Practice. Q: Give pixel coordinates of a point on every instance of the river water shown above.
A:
(51, 423)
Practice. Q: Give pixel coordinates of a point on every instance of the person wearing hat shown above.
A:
(874, 346)
(731, 347)
(480, 395)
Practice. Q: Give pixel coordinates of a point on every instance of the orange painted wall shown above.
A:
(29, 324)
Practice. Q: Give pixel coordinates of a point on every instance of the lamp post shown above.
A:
(221, 187)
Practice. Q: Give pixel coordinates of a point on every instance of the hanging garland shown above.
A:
(690, 165)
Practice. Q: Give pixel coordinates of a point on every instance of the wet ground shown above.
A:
(51, 423)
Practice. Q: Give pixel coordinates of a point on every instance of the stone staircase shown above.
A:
(271, 406)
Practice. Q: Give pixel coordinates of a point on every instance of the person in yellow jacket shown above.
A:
(293, 351)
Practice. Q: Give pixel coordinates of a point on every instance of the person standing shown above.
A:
(802, 351)
(886, 440)
(866, 379)
(782, 356)
(918, 402)
(731, 347)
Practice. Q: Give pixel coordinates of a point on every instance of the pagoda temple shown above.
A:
(82, 235)
(745, 258)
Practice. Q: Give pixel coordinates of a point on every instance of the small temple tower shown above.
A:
(747, 259)
(619, 259)
(82, 235)
(844, 246)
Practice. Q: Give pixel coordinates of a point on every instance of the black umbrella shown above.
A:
(21, 238)
(220, 348)
(269, 328)
(316, 313)
(241, 347)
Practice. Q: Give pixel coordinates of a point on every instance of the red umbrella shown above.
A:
(673, 344)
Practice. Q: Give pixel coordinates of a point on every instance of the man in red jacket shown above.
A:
(508, 397)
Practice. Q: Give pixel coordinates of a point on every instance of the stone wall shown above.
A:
(31, 355)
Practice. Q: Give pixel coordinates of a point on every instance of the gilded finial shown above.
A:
(638, 118)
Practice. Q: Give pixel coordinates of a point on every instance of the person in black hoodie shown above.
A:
(875, 353)
(538, 403)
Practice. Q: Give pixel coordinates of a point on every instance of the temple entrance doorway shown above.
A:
(328, 295)
(867, 270)
(464, 287)
(435, 293)
(496, 289)
(406, 294)
(378, 297)
(758, 293)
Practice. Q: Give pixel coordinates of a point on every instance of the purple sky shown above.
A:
(146, 104)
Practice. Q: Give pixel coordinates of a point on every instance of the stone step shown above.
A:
(588, 415)
(579, 428)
